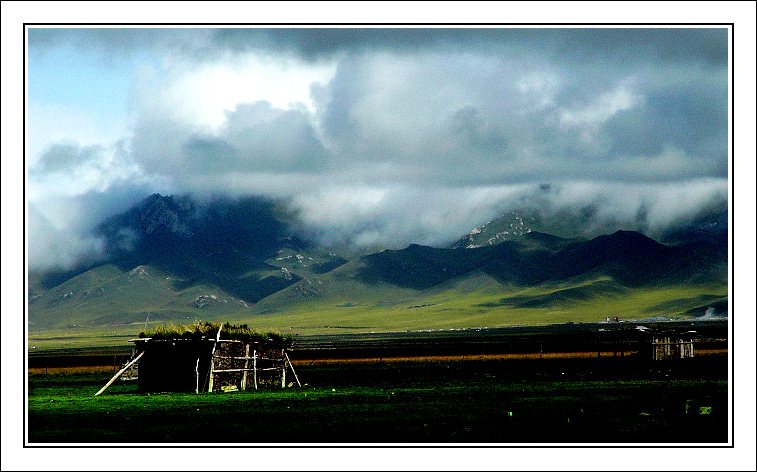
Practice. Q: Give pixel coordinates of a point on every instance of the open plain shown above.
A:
(549, 385)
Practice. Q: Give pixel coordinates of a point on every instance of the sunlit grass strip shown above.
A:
(201, 330)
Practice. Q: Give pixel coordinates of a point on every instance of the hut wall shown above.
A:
(241, 366)
(185, 365)
(666, 346)
(174, 365)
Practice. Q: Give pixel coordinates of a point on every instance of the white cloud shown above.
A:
(51, 246)
(201, 93)
(393, 141)
(601, 108)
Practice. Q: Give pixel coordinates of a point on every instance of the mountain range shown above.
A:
(174, 258)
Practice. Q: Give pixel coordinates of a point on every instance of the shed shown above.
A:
(670, 344)
(207, 364)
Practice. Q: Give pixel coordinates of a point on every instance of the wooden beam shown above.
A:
(197, 376)
(243, 385)
(283, 373)
(120, 372)
(212, 354)
(255, 368)
(210, 381)
(242, 358)
(290, 365)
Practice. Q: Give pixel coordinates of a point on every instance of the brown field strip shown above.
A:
(482, 357)
(710, 352)
(91, 369)
(391, 359)
(458, 358)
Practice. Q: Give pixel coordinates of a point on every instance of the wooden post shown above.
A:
(118, 374)
(243, 385)
(295, 373)
(283, 373)
(212, 355)
(255, 368)
(210, 382)
(197, 376)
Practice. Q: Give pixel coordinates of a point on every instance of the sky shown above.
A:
(375, 137)
(106, 89)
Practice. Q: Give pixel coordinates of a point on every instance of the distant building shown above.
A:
(661, 345)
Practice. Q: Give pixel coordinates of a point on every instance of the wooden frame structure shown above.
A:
(207, 365)
(234, 362)
(668, 345)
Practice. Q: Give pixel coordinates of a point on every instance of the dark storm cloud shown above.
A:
(660, 45)
(273, 138)
(423, 133)
(416, 119)
(112, 43)
(255, 137)
(585, 44)
(516, 120)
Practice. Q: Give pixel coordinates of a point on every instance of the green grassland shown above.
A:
(479, 301)
(460, 402)
(319, 305)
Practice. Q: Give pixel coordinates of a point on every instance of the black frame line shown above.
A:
(731, 27)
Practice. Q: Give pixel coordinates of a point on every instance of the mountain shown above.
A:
(223, 242)
(628, 257)
(108, 295)
(505, 228)
(710, 226)
(174, 258)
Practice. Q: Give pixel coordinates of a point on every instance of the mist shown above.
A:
(379, 138)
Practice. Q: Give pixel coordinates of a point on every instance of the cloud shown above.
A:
(391, 136)
(255, 138)
(707, 46)
(354, 216)
(647, 207)
(369, 217)
(202, 92)
(51, 247)
(108, 44)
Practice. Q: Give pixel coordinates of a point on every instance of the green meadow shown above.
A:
(386, 309)
(492, 402)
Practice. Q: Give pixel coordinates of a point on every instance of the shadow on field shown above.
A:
(533, 401)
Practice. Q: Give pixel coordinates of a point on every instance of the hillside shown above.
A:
(179, 259)
(628, 257)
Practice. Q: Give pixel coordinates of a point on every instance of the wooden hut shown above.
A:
(668, 345)
(204, 364)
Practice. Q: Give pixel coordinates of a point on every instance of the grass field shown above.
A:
(447, 309)
(441, 401)
(457, 307)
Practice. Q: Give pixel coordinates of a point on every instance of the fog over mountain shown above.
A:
(376, 137)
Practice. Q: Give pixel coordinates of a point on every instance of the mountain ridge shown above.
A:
(187, 259)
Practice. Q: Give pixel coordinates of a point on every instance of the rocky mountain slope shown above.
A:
(176, 258)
